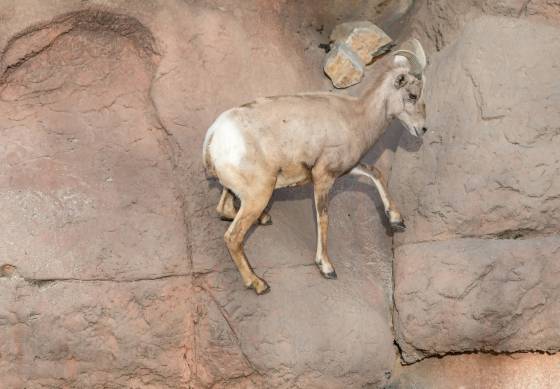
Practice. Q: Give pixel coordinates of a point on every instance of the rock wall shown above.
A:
(113, 271)
(438, 23)
(113, 268)
(473, 270)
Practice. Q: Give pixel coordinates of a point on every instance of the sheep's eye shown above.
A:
(412, 97)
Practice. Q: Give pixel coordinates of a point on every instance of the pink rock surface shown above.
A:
(486, 107)
(112, 260)
(477, 294)
(481, 371)
(475, 268)
(113, 271)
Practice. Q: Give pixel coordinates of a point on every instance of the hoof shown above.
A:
(395, 220)
(398, 226)
(265, 219)
(260, 286)
(330, 276)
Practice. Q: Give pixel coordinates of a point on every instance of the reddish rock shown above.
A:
(477, 294)
(96, 333)
(112, 261)
(474, 269)
(517, 371)
(457, 183)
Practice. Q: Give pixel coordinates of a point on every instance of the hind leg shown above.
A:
(253, 202)
(227, 210)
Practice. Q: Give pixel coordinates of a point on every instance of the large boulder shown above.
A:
(487, 169)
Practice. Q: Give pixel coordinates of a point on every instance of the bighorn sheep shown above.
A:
(282, 141)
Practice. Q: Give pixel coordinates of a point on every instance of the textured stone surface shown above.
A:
(475, 294)
(487, 104)
(438, 23)
(294, 342)
(95, 334)
(480, 371)
(475, 269)
(113, 269)
(364, 38)
(79, 147)
(343, 66)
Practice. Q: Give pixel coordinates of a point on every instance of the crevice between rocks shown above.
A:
(475, 352)
(41, 282)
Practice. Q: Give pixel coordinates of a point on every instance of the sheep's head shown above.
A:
(406, 100)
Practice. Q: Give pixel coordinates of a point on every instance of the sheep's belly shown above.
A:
(293, 175)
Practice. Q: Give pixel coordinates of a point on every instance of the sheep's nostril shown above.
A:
(424, 130)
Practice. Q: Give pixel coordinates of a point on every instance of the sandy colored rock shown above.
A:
(343, 66)
(363, 38)
(477, 294)
(81, 145)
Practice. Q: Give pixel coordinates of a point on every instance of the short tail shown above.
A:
(206, 157)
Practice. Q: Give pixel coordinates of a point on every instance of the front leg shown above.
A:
(322, 183)
(394, 216)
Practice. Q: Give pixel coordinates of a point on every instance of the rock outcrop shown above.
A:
(481, 197)
(113, 270)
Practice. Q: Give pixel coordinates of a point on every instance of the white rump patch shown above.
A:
(227, 146)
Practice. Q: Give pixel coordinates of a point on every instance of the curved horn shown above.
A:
(412, 50)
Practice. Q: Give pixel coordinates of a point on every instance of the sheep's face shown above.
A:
(406, 103)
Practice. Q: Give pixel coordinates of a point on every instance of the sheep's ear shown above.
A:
(400, 81)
